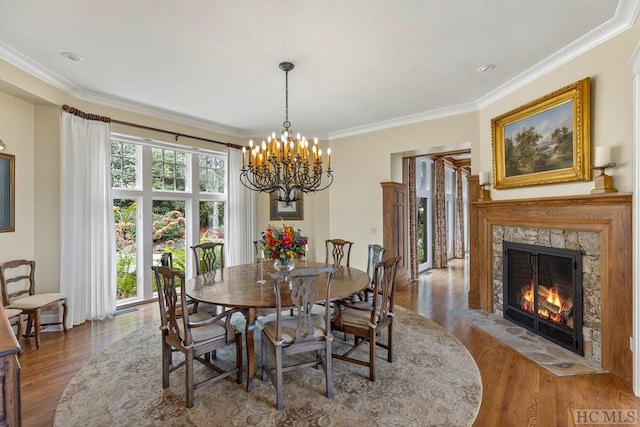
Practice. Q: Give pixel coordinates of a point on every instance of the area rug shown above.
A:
(432, 381)
(555, 359)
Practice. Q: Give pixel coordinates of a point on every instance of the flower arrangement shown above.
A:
(283, 243)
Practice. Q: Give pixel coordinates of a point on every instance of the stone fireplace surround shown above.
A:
(588, 243)
(607, 216)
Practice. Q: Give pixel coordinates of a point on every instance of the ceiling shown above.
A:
(360, 65)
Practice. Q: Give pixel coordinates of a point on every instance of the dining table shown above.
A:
(239, 286)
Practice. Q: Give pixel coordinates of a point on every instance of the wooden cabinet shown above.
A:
(394, 225)
(9, 375)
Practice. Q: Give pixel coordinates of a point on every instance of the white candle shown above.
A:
(483, 177)
(603, 156)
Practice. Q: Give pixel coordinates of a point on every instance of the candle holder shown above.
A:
(603, 182)
(261, 261)
(485, 193)
(484, 181)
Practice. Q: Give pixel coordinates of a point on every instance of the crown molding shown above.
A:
(23, 62)
(405, 120)
(624, 19)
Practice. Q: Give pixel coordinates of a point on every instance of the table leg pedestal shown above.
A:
(250, 317)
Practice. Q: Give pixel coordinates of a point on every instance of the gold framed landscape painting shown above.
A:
(546, 141)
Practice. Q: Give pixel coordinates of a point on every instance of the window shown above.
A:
(212, 173)
(168, 170)
(424, 212)
(124, 165)
(177, 194)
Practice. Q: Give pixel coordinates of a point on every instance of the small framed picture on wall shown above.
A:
(282, 210)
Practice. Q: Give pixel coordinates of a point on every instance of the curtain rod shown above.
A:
(76, 112)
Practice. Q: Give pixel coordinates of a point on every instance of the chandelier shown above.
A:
(288, 165)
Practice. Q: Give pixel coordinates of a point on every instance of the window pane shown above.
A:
(124, 164)
(212, 173)
(212, 221)
(125, 215)
(169, 231)
(166, 167)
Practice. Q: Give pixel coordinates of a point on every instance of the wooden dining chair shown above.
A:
(13, 314)
(375, 254)
(365, 320)
(208, 256)
(18, 285)
(336, 250)
(302, 333)
(196, 340)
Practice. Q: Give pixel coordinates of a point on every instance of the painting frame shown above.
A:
(7, 193)
(570, 104)
(280, 210)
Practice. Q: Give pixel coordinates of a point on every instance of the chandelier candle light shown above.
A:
(286, 165)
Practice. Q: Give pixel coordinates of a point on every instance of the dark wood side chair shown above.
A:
(304, 332)
(375, 254)
(17, 280)
(13, 314)
(366, 319)
(336, 250)
(197, 340)
(208, 256)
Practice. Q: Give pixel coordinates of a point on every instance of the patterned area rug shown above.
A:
(432, 381)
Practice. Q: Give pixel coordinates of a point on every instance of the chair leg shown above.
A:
(19, 328)
(390, 343)
(328, 373)
(188, 358)
(263, 358)
(36, 326)
(279, 379)
(372, 356)
(239, 357)
(29, 325)
(64, 316)
(166, 363)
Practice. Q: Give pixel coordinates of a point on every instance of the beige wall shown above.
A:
(362, 162)
(16, 130)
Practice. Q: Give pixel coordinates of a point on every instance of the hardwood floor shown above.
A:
(516, 391)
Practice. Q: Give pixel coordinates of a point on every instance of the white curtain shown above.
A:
(242, 214)
(87, 264)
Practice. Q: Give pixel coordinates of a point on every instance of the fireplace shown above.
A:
(542, 292)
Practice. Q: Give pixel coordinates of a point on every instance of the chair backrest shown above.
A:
(338, 248)
(174, 321)
(206, 256)
(17, 279)
(166, 260)
(384, 289)
(375, 255)
(303, 290)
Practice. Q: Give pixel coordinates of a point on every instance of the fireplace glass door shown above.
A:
(543, 292)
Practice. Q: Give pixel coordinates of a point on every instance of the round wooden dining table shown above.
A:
(238, 286)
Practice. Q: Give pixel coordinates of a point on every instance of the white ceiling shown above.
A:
(359, 64)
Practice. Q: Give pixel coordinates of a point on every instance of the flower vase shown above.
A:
(284, 264)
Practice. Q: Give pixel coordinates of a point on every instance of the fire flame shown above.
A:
(552, 297)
